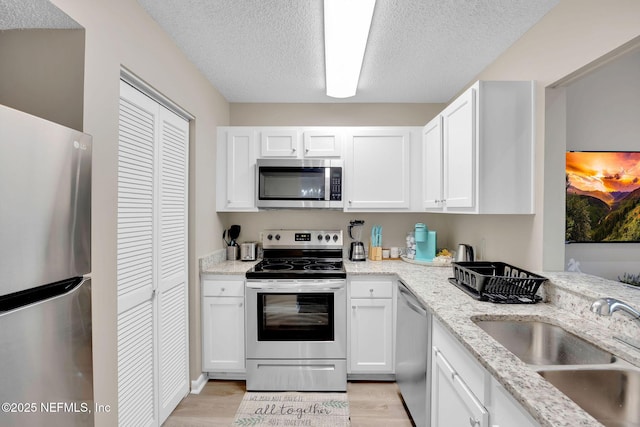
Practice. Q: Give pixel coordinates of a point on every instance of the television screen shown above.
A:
(603, 196)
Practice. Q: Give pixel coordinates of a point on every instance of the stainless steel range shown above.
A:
(296, 308)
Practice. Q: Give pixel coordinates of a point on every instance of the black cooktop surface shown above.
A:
(302, 268)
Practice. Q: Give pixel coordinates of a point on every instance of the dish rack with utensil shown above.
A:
(497, 282)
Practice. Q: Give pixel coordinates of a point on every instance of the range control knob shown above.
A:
(319, 237)
(270, 237)
(335, 237)
(327, 237)
(277, 237)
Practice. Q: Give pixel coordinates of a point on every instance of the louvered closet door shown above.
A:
(151, 250)
(136, 195)
(173, 338)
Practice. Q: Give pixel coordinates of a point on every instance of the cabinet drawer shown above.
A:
(220, 288)
(371, 289)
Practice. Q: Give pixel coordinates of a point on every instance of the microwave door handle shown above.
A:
(327, 183)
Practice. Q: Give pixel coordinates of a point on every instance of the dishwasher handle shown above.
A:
(411, 300)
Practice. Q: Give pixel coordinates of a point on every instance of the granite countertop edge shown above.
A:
(456, 311)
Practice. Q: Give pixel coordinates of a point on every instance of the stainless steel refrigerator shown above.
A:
(46, 369)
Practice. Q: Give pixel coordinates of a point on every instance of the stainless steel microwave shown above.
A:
(299, 183)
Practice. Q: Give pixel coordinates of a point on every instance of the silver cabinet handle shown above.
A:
(473, 422)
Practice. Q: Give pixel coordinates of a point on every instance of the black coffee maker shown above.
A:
(356, 251)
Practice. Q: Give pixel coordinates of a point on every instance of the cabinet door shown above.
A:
(240, 170)
(279, 142)
(322, 143)
(223, 334)
(505, 410)
(371, 341)
(378, 169)
(458, 121)
(452, 402)
(432, 164)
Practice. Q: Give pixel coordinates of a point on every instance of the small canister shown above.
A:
(232, 253)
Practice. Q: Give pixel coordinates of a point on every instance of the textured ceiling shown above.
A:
(273, 51)
(23, 14)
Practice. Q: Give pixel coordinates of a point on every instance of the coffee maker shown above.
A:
(425, 243)
(356, 251)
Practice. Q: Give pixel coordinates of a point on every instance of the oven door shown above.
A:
(296, 319)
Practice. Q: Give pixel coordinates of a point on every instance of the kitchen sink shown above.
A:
(541, 343)
(610, 395)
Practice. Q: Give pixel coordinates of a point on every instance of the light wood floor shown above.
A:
(371, 404)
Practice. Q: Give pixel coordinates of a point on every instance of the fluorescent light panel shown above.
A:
(346, 29)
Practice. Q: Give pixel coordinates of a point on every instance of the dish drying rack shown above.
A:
(497, 282)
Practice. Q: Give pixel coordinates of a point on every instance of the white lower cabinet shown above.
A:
(371, 326)
(505, 411)
(463, 393)
(453, 403)
(223, 327)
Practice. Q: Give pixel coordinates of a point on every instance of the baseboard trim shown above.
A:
(371, 377)
(198, 385)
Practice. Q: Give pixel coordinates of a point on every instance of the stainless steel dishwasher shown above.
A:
(412, 355)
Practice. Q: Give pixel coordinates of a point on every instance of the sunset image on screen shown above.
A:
(603, 196)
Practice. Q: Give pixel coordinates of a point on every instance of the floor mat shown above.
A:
(293, 409)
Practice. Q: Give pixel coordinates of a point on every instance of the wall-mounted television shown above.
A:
(603, 196)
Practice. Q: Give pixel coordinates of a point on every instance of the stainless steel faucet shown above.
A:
(608, 306)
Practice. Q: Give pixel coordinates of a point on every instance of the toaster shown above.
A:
(248, 251)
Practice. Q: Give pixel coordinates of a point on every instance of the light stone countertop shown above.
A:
(567, 300)
(229, 267)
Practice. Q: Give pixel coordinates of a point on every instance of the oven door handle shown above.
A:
(296, 285)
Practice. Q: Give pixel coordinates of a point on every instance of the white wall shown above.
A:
(43, 73)
(120, 33)
(603, 114)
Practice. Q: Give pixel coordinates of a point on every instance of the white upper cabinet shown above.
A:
(458, 124)
(236, 169)
(432, 156)
(295, 142)
(486, 160)
(326, 142)
(279, 142)
(377, 168)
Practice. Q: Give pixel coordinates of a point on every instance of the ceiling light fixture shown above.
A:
(346, 29)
